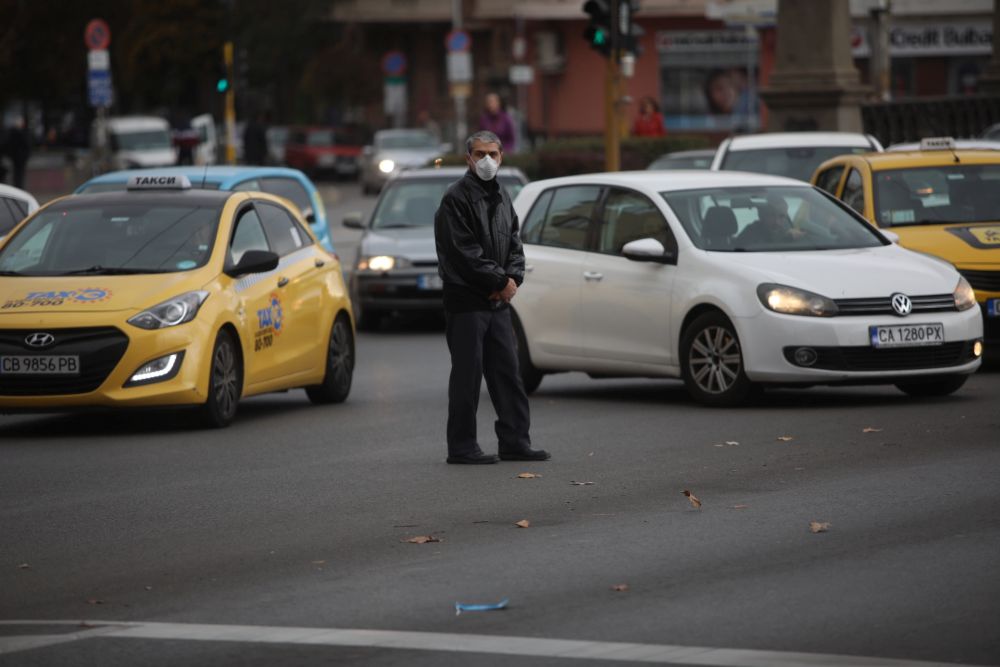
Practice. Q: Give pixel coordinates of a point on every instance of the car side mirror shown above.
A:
(892, 236)
(647, 250)
(254, 261)
(352, 220)
(309, 214)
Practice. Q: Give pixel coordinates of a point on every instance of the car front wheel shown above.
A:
(712, 361)
(225, 383)
(336, 383)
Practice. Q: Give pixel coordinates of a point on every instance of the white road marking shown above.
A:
(664, 654)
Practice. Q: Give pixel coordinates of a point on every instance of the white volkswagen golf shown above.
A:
(731, 281)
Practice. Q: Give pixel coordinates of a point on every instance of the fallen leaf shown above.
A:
(819, 526)
(694, 499)
(620, 587)
(24, 566)
(149, 588)
(732, 443)
(581, 483)
(590, 454)
(421, 539)
(318, 562)
(871, 429)
(523, 523)
(94, 601)
(740, 507)
(528, 475)
(785, 438)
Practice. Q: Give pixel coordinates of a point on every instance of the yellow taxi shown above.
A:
(164, 295)
(938, 200)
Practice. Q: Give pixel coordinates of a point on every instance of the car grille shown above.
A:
(988, 281)
(935, 303)
(99, 348)
(864, 358)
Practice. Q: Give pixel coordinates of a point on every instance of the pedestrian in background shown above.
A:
(649, 122)
(481, 262)
(494, 119)
(255, 141)
(18, 148)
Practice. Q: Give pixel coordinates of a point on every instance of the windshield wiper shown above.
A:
(99, 270)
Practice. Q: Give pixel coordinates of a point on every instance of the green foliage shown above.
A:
(584, 155)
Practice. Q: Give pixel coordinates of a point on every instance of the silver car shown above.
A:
(392, 151)
(396, 265)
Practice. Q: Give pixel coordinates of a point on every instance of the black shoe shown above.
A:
(475, 458)
(527, 454)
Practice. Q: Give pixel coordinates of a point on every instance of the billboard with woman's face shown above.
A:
(707, 79)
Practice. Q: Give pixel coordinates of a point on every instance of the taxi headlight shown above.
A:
(170, 313)
(965, 296)
(381, 263)
(793, 301)
(386, 166)
(157, 370)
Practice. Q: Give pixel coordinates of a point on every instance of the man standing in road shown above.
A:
(481, 262)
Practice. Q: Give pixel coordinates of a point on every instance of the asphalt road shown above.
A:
(297, 516)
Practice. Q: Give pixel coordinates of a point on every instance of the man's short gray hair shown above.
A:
(484, 136)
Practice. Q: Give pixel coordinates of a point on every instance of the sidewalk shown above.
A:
(51, 174)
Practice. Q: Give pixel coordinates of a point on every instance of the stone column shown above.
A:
(815, 85)
(989, 82)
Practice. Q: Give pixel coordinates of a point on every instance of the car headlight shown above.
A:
(386, 166)
(382, 263)
(178, 310)
(965, 296)
(793, 301)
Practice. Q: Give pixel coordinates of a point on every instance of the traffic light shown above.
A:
(598, 32)
(223, 75)
(630, 32)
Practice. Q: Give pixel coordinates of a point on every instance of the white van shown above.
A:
(130, 142)
(206, 152)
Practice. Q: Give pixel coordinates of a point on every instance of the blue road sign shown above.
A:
(457, 41)
(394, 63)
(99, 89)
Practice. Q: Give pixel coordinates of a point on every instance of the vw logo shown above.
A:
(40, 339)
(901, 304)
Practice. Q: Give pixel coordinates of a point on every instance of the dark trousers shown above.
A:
(482, 344)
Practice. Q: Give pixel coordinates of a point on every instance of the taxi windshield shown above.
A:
(768, 219)
(413, 203)
(119, 238)
(937, 195)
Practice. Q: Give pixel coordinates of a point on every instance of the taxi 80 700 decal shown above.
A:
(269, 322)
(86, 295)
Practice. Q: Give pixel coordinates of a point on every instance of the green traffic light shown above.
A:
(222, 85)
(600, 37)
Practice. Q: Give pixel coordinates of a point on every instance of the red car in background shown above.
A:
(316, 150)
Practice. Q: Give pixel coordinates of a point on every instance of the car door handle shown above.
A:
(282, 281)
(592, 275)
(320, 264)
(528, 268)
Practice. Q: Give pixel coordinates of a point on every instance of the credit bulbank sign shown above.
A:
(912, 40)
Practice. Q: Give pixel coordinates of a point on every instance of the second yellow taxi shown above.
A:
(167, 295)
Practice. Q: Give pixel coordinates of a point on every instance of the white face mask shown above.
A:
(487, 168)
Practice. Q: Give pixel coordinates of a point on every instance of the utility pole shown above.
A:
(612, 87)
(461, 124)
(227, 59)
(881, 61)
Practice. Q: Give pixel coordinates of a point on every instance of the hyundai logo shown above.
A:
(40, 339)
(902, 305)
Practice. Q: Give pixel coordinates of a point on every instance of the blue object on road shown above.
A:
(459, 607)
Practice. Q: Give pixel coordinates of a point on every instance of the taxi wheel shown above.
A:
(531, 377)
(712, 361)
(336, 383)
(225, 382)
(940, 386)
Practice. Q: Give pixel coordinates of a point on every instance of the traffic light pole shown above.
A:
(227, 56)
(612, 87)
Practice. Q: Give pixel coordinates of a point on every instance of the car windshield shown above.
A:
(143, 140)
(412, 203)
(936, 195)
(416, 139)
(117, 238)
(799, 162)
(768, 219)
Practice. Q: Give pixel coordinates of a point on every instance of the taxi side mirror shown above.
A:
(253, 261)
(309, 214)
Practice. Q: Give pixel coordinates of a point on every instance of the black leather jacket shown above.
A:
(478, 243)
